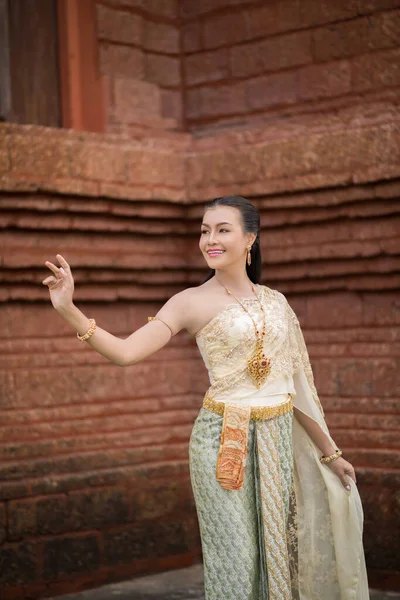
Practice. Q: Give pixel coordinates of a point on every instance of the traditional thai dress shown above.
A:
(275, 523)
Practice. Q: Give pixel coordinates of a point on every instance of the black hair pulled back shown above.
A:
(251, 224)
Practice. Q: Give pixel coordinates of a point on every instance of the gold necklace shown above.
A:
(258, 365)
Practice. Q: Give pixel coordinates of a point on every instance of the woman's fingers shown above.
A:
(350, 471)
(56, 270)
(49, 280)
(62, 261)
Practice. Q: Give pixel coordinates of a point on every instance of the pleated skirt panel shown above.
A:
(244, 532)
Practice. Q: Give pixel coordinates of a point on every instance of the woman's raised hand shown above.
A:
(60, 284)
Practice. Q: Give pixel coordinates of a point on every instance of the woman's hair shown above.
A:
(251, 224)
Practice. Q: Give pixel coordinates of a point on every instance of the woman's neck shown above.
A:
(235, 282)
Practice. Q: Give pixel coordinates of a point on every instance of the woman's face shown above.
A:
(222, 239)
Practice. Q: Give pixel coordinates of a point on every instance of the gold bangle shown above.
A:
(328, 459)
(90, 331)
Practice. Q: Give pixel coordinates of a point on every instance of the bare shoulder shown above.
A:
(178, 311)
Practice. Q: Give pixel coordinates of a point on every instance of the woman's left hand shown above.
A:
(342, 469)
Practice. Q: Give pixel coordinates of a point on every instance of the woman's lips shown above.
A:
(214, 254)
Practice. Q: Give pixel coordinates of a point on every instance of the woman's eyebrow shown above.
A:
(222, 223)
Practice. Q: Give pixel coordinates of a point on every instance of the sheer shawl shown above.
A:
(327, 556)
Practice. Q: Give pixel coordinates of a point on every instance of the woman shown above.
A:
(279, 512)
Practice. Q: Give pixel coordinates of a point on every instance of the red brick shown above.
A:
(369, 6)
(39, 156)
(377, 70)
(161, 37)
(219, 100)
(324, 81)
(164, 70)
(207, 66)
(135, 99)
(19, 566)
(357, 37)
(3, 522)
(192, 8)
(57, 514)
(381, 309)
(102, 162)
(118, 26)
(334, 310)
(70, 556)
(121, 60)
(274, 17)
(325, 11)
(157, 500)
(162, 8)
(271, 55)
(171, 104)
(271, 90)
(192, 36)
(4, 162)
(193, 107)
(229, 28)
(155, 168)
(341, 151)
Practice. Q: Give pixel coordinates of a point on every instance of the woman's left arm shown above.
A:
(341, 467)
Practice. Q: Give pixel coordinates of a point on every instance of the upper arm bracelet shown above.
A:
(158, 319)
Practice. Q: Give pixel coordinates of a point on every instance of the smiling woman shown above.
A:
(279, 511)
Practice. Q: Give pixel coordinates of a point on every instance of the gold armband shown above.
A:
(90, 331)
(328, 459)
(158, 319)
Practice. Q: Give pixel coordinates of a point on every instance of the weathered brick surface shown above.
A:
(133, 99)
(171, 104)
(70, 556)
(207, 66)
(94, 458)
(162, 69)
(124, 61)
(192, 35)
(119, 26)
(41, 157)
(288, 54)
(161, 37)
(377, 70)
(324, 81)
(357, 37)
(273, 54)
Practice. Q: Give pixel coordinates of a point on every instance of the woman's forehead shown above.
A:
(222, 214)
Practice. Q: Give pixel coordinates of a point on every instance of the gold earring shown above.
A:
(248, 255)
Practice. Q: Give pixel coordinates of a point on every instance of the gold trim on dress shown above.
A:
(257, 413)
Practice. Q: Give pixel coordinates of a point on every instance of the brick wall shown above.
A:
(139, 53)
(94, 481)
(93, 458)
(247, 60)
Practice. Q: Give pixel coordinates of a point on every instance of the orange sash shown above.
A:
(232, 452)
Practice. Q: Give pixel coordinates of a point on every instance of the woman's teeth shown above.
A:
(215, 253)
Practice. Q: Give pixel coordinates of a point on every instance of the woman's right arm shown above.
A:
(140, 344)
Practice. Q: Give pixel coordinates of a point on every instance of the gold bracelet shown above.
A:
(90, 331)
(328, 459)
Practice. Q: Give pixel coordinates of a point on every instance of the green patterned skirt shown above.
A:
(244, 533)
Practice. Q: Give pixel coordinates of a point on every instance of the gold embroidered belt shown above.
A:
(257, 413)
(232, 454)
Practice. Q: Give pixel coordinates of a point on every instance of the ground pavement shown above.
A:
(182, 584)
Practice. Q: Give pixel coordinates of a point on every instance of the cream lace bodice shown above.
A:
(228, 341)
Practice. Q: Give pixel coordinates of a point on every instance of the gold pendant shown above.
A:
(259, 366)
